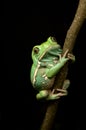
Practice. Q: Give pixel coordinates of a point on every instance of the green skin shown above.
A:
(47, 62)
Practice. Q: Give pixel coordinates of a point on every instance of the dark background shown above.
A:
(31, 25)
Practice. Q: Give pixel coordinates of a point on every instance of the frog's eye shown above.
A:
(36, 50)
(53, 39)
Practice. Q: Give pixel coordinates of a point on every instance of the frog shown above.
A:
(47, 62)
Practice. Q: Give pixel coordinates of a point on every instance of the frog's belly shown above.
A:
(43, 83)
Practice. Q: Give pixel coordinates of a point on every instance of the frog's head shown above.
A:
(40, 50)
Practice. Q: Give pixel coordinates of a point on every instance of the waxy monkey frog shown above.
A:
(47, 62)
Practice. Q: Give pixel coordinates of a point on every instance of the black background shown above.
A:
(31, 25)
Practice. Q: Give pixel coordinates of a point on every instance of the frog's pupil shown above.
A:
(36, 50)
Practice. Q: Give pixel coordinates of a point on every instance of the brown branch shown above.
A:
(68, 44)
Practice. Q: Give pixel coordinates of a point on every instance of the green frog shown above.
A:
(47, 62)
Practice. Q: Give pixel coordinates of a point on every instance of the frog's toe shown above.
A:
(66, 52)
(71, 56)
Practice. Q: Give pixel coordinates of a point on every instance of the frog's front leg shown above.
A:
(55, 69)
(60, 92)
(62, 60)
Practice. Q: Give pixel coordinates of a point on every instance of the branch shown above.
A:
(70, 39)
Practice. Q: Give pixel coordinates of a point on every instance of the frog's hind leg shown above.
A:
(57, 93)
(66, 84)
(42, 94)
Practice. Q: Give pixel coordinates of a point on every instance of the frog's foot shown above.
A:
(71, 57)
(57, 93)
(42, 94)
(53, 95)
(63, 59)
(66, 56)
